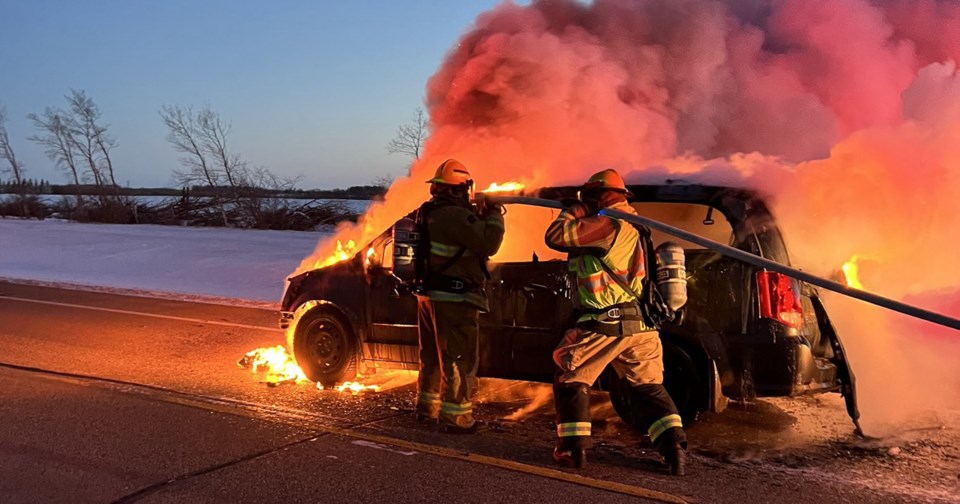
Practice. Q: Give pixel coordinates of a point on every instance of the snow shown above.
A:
(215, 263)
(352, 205)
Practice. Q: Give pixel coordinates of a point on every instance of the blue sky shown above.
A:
(315, 88)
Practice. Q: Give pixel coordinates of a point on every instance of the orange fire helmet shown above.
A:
(606, 179)
(452, 172)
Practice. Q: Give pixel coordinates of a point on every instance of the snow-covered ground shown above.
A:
(355, 206)
(212, 262)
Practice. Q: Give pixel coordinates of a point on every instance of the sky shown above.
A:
(312, 88)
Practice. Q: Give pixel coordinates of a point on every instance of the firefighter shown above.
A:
(460, 238)
(611, 327)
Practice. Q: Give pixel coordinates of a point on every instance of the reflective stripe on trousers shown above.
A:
(662, 425)
(454, 409)
(428, 401)
(570, 429)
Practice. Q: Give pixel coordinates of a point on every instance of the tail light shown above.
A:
(779, 298)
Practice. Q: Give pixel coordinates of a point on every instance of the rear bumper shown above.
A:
(786, 367)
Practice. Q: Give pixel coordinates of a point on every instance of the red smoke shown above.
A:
(847, 112)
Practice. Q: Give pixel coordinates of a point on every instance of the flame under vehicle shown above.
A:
(744, 332)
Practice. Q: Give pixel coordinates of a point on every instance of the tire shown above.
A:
(684, 382)
(325, 347)
(681, 378)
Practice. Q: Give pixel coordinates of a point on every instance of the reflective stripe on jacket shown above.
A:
(454, 225)
(595, 238)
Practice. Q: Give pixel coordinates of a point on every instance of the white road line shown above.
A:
(371, 444)
(142, 314)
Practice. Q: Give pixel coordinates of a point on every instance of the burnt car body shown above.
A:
(744, 332)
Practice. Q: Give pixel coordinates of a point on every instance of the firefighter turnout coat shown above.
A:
(610, 329)
(461, 241)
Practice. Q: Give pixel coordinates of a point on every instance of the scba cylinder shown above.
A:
(672, 275)
(405, 239)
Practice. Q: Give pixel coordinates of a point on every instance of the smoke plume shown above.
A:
(846, 113)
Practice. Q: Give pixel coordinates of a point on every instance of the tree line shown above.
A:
(218, 186)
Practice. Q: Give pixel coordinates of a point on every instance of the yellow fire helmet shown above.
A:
(452, 172)
(606, 179)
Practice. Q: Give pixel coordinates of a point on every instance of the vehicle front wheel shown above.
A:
(325, 347)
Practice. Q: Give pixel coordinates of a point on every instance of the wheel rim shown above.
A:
(326, 345)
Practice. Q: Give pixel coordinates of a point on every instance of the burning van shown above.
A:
(744, 332)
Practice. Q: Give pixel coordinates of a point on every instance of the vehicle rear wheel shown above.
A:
(681, 379)
(325, 347)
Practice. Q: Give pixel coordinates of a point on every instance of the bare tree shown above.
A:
(6, 151)
(58, 142)
(78, 143)
(203, 137)
(184, 132)
(91, 136)
(384, 181)
(12, 165)
(410, 137)
(214, 134)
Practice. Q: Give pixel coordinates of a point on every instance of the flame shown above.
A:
(851, 270)
(505, 187)
(353, 387)
(656, 97)
(278, 365)
(370, 254)
(342, 253)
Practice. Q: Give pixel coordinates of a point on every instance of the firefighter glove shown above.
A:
(577, 210)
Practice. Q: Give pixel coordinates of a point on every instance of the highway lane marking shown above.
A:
(297, 417)
(378, 446)
(142, 314)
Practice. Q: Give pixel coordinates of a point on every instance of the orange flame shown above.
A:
(278, 365)
(370, 254)
(505, 187)
(341, 254)
(851, 271)
(353, 387)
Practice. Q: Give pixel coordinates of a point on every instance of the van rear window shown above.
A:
(688, 217)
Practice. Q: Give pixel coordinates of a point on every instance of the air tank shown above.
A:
(672, 274)
(405, 240)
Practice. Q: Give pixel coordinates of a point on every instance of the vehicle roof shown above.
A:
(734, 202)
(669, 191)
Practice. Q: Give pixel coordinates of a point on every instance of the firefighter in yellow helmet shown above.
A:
(612, 328)
(452, 276)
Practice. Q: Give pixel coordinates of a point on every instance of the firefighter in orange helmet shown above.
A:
(460, 239)
(612, 327)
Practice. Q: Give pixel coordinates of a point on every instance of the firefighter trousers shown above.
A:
(449, 355)
(583, 355)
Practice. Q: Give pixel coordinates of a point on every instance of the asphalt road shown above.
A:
(110, 398)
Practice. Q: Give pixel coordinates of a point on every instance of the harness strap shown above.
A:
(447, 283)
(653, 309)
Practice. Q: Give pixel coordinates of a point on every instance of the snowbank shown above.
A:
(213, 262)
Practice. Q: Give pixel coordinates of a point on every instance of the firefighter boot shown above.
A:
(428, 407)
(460, 424)
(426, 418)
(573, 424)
(574, 458)
(672, 446)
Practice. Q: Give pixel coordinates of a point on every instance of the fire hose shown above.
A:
(748, 258)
